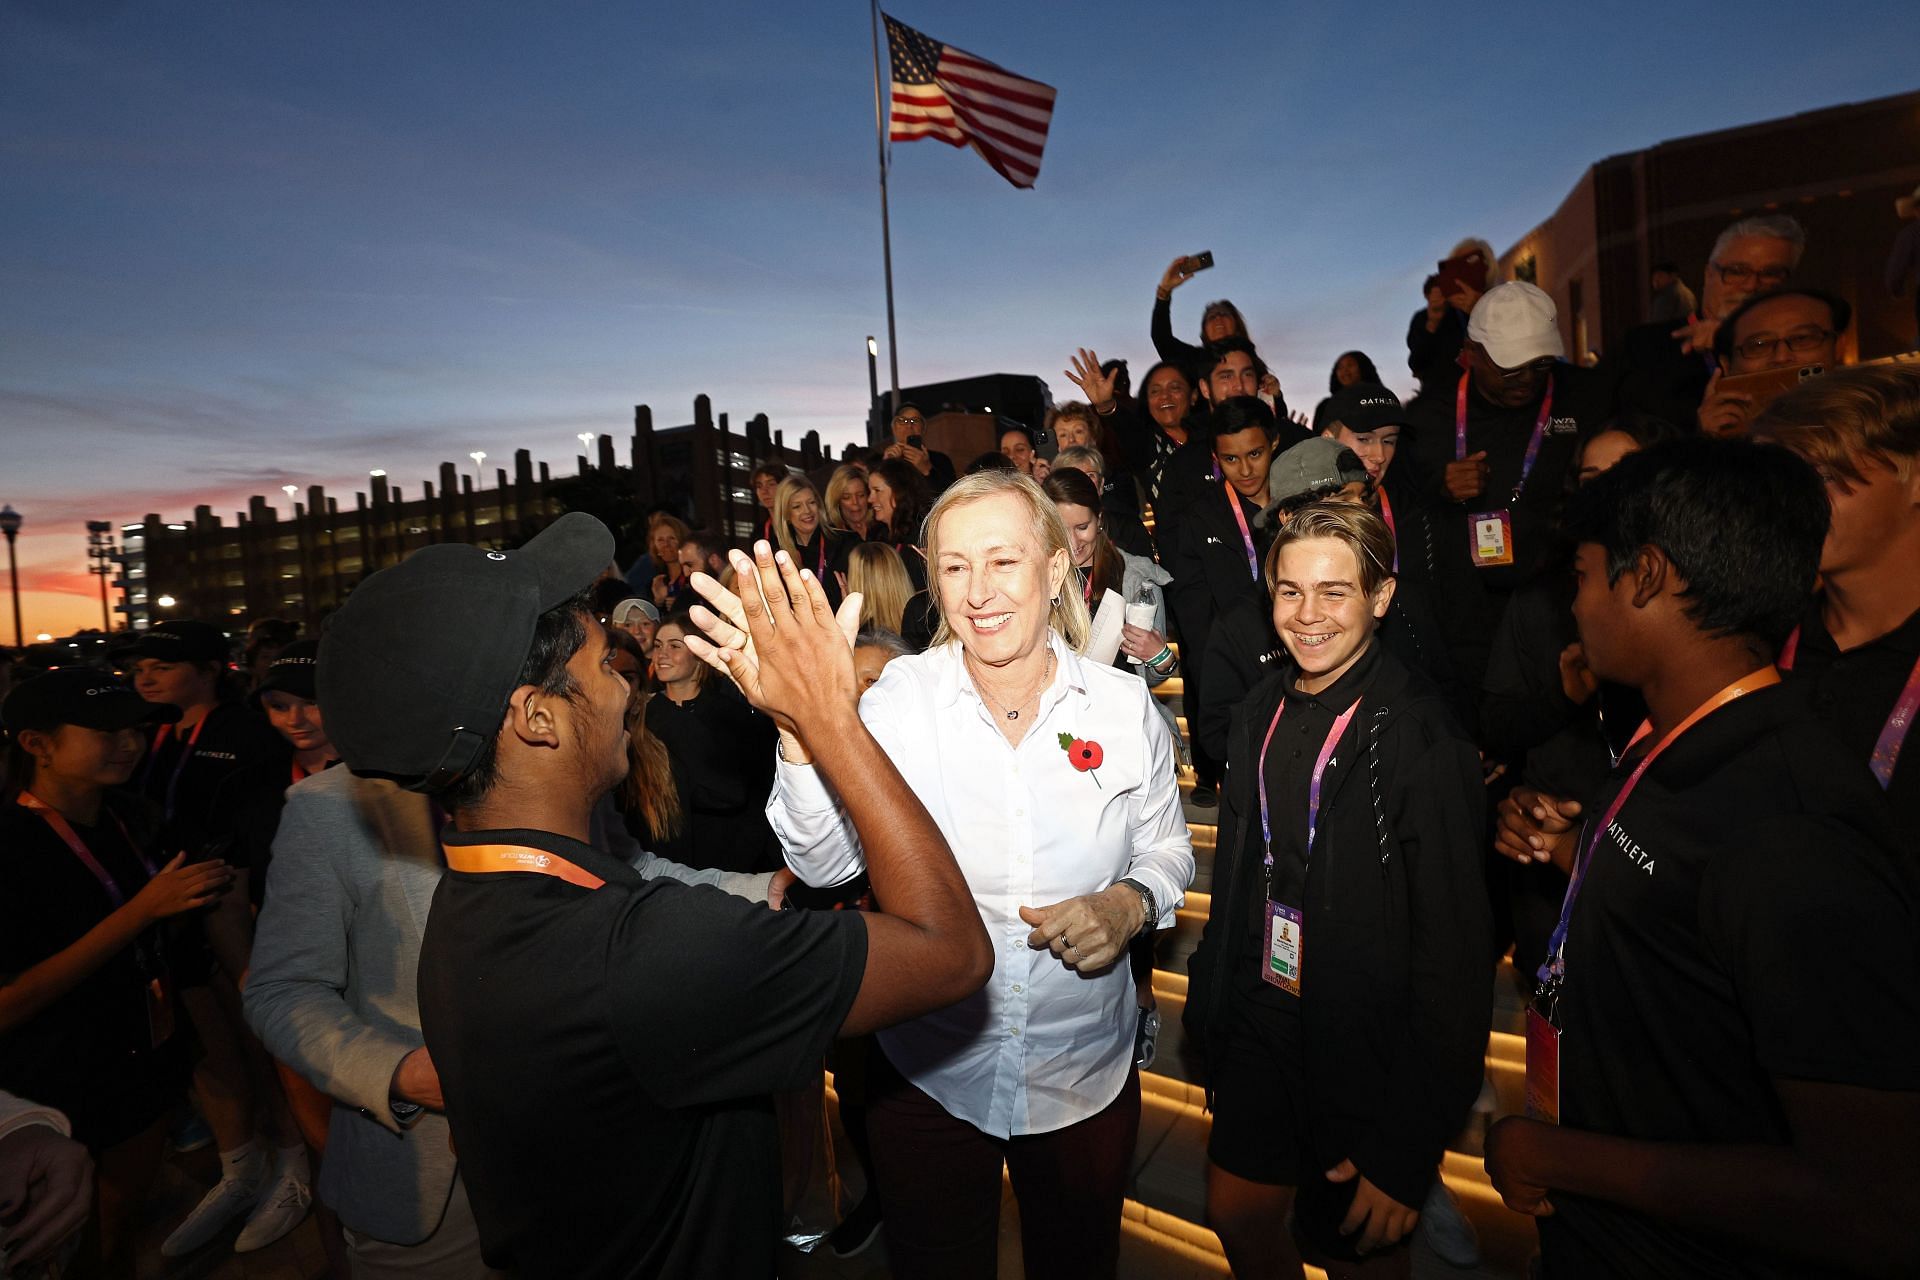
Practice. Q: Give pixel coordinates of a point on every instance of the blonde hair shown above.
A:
(1068, 614)
(877, 572)
(783, 497)
(843, 475)
(1871, 411)
(1363, 531)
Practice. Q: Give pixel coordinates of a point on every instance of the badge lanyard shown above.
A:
(64, 829)
(1893, 734)
(186, 754)
(1313, 784)
(1386, 513)
(1533, 443)
(1246, 534)
(486, 858)
(1553, 970)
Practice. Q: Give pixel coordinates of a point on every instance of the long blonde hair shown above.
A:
(648, 789)
(790, 488)
(1068, 614)
(876, 571)
(843, 475)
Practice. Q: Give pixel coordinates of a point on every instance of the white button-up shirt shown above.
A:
(1041, 1046)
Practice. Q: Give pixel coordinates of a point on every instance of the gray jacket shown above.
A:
(331, 987)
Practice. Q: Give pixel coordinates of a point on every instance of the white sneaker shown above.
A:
(281, 1209)
(1448, 1232)
(229, 1199)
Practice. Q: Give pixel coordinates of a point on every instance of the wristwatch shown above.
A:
(1146, 899)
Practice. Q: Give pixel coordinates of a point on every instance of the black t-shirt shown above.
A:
(1747, 917)
(90, 1052)
(721, 750)
(184, 773)
(607, 1058)
(1854, 693)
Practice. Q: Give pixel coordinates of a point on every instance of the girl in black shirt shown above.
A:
(87, 1002)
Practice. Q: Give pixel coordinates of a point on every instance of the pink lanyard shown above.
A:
(64, 829)
(1386, 513)
(1893, 734)
(1313, 783)
(1554, 968)
(1533, 443)
(1246, 534)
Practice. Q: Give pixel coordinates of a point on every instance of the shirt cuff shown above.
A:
(801, 787)
(30, 1114)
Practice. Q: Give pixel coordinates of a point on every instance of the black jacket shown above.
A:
(1398, 996)
(1201, 547)
(1649, 373)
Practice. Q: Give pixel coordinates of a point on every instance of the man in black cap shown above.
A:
(605, 1044)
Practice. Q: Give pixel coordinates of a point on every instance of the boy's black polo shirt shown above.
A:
(1854, 693)
(607, 1058)
(1747, 917)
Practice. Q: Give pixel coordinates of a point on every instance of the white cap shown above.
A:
(626, 609)
(1516, 323)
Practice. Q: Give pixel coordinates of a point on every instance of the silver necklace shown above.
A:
(1001, 707)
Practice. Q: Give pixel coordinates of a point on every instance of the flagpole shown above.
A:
(880, 99)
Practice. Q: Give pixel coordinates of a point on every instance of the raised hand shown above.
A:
(1096, 386)
(1176, 274)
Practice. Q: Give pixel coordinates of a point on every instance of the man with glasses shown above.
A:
(1663, 370)
(1785, 329)
(1491, 455)
(909, 444)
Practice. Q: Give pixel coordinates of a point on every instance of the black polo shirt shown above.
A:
(1854, 693)
(607, 1058)
(183, 775)
(1746, 918)
(90, 1052)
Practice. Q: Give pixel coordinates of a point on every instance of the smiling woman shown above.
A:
(1053, 779)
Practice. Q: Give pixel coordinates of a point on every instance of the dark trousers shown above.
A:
(940, 1185)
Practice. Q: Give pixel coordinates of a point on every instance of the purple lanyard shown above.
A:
(64, 829)
(186, 754)
(1386, 513)
(1246, 534)
(1554, 968)
(1533, 444)
(1893, 734)
(1313, 784)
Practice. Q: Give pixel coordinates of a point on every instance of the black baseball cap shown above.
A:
(183, 641)
(416, 668)
(291, 671)
(1366, 406)
(82, 696)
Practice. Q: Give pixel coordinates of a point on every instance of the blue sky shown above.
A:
(243, 245)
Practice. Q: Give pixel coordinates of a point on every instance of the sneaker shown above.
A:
(1449, 1234)
(858, 1229)
(1146, 1038)
(229, 1199)
(189, 1133)
(281, 1209)
(1204, 796)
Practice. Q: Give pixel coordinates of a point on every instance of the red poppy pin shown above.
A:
(1085, 755)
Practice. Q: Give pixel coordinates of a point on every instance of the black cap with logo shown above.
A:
(1366, 406)
(415, 670)
(291, 671)
(183, 641)
(80, 695)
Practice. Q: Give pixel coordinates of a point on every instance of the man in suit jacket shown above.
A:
(331, 993)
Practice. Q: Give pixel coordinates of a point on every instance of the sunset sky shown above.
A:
(245, 245)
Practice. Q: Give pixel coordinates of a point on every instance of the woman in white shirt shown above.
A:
(1054, 781)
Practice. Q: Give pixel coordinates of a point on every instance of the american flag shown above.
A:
(941, 92)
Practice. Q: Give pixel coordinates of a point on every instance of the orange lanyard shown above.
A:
(481, 859)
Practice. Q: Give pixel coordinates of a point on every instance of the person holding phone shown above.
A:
(910, 446)
(1220, 319)
(1774, 334)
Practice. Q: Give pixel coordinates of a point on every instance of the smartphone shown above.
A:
(916, 442)
(1769, 385)
(1469, 269)
(1199, 262)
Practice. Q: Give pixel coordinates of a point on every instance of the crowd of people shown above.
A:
(509, 924)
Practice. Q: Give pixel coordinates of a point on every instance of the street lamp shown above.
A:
(479, 456)
(101, 557)
(10, 525)
(165, 602)
(586, 441)
(377, 472)
(873, 379)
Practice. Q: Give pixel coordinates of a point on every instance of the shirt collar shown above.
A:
(1069, 676)
(1904, 638)
(1340, 695)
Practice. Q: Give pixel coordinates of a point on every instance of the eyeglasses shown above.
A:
(911, 420)
(1740, 275)
(1800, 341)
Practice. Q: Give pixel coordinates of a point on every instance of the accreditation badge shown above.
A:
(1492, 535)
(1286, 933)
(159, 1012)
(1543, 1066)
